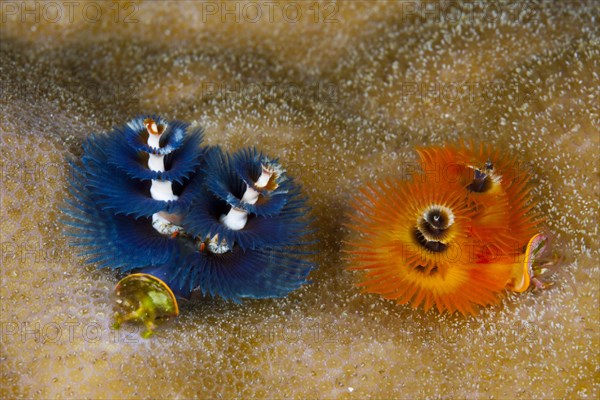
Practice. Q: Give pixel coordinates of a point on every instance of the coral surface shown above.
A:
(342, 92)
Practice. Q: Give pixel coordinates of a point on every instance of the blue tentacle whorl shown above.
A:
(127, 196)
(119, 168)
(253, 250)
(108, 239)
(233, 175)
(147, 197)
(227, 193)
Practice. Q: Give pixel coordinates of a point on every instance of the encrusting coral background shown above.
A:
(342, 92)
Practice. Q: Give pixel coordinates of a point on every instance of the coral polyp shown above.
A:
(454, 237)
(149, 198)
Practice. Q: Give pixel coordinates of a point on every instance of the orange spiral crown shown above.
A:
(453, 237)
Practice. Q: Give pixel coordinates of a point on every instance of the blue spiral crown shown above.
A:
(148, 197)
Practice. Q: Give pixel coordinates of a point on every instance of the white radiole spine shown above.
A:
(236, 218)
(160, 189)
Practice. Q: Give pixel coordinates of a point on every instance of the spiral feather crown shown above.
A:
(149, 198)
(453, 237)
